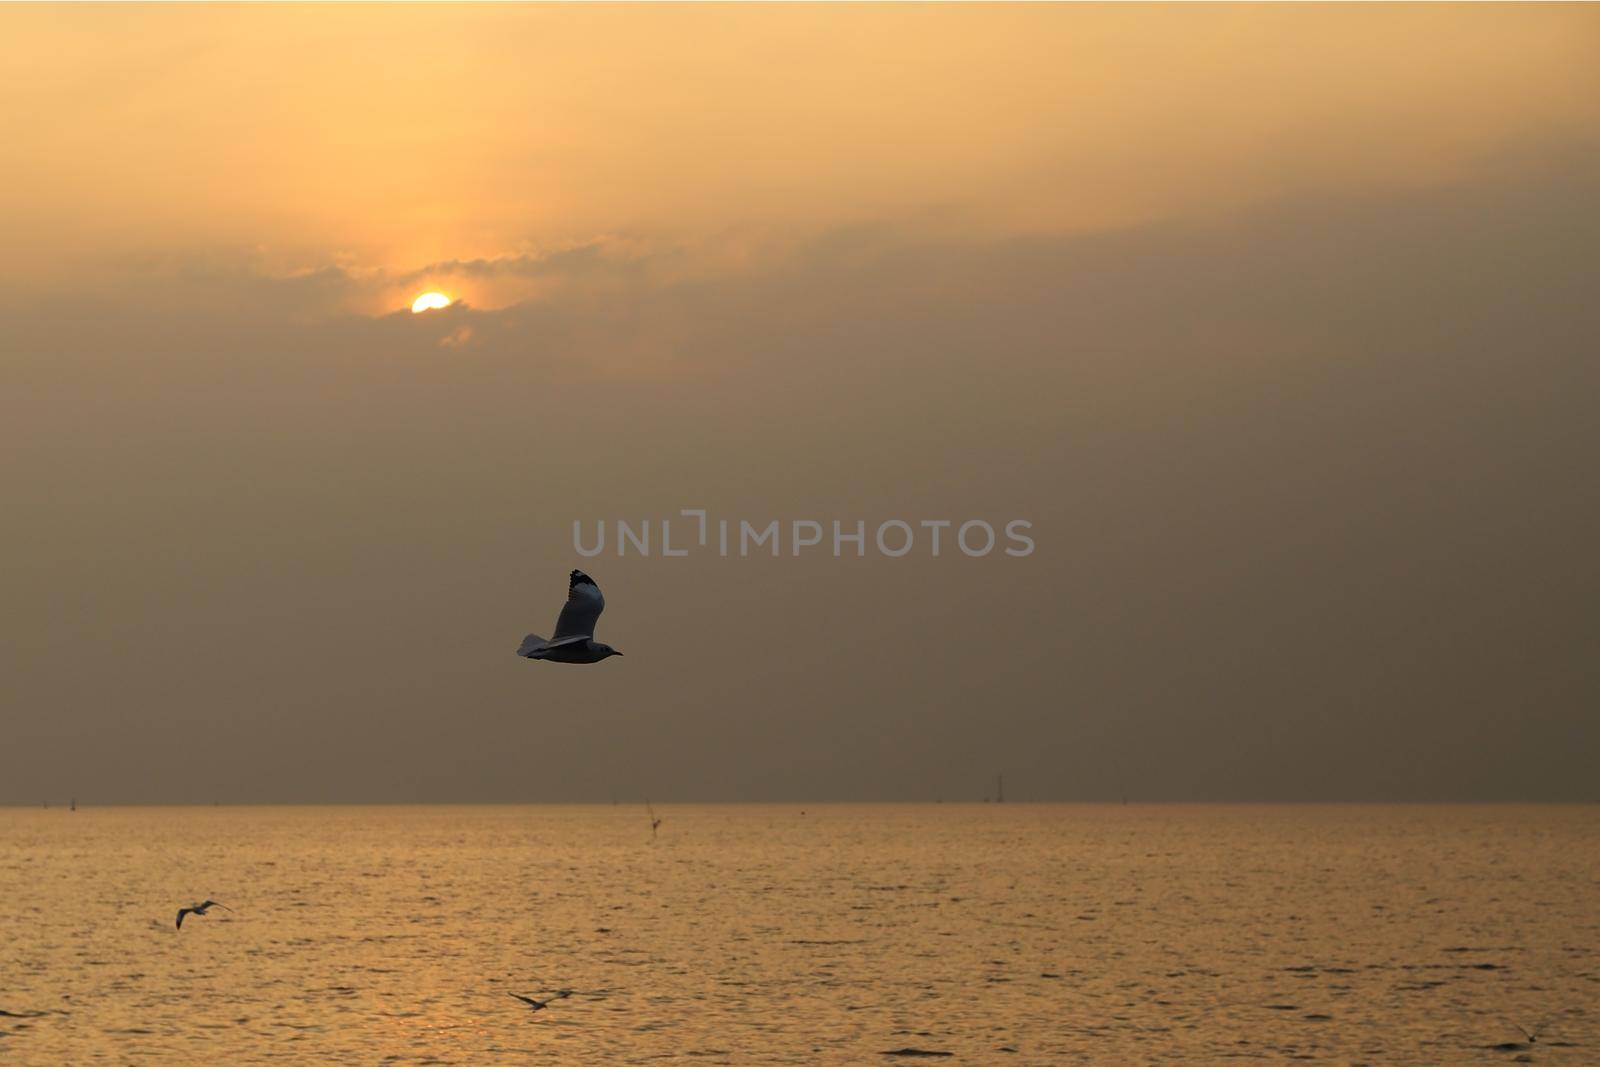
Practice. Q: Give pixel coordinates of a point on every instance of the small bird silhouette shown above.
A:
(574, 640)
(199, 909)
(655, 822)
(1518, 1046)
(540, 1005)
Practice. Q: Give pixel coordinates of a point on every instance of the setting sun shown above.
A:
(429, 302)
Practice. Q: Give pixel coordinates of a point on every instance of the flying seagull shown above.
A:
(655, 821)
(540, 1005)
(199, 909)
(1518, 1046)
(574, 640)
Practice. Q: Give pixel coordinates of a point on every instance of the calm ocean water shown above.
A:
(788, 934)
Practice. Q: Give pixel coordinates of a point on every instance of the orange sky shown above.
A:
(384, 139)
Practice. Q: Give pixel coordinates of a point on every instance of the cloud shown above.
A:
(565, 261)
(457, 338)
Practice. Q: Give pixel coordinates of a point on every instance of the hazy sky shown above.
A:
(1277, 323)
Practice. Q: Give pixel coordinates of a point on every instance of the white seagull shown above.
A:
(199, 909)
(540, 1005)
(574, 640)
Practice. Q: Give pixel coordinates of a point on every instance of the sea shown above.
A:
(801, 933)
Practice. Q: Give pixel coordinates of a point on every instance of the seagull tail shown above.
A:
(531, 645)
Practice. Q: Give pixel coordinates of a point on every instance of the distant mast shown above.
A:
(73, 806)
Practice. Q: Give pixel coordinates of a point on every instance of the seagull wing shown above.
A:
(213, 904)
(582, 609)
(578, 640)
(526, 1000)
(181, 913)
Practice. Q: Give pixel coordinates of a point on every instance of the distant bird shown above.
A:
(199, 909)
(655, 822)
(574, 640)
(540, 1005)
(1518, 1046)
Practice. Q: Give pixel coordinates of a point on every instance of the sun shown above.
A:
(429, 302)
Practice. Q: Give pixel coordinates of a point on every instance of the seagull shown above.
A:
(540, 1005)
(655, 822)
(199, 909)
(1519, 1046)
(574, 640)
(1532, 1035)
